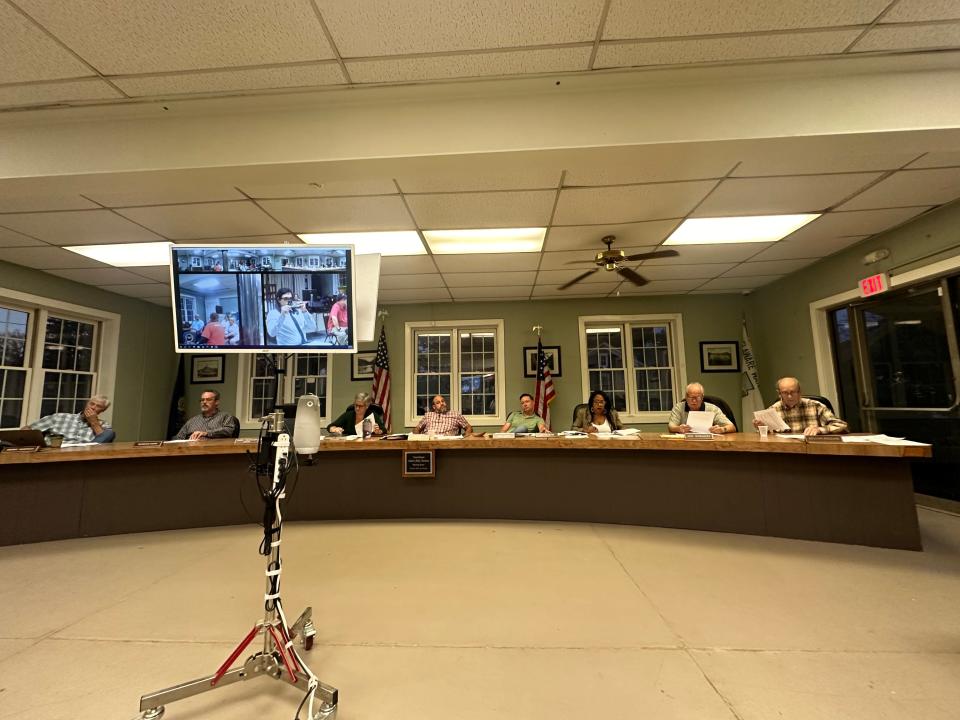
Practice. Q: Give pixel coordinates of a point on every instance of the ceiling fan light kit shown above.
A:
(612, 261)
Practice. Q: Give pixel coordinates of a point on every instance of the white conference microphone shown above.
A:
(307, 430)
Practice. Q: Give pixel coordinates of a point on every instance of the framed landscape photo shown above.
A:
(206, 369)
(361, 367)
(719, 356)
(530, 360)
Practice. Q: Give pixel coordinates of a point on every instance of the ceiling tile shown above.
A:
(577, 291)
(910, 37)
(590, 206)
(701, 50)
(404, 264)
(139, 291)
(165, 301)
(665, 18)
(559, 277)
(529, 177)
(341, 214)
(858, 222)
(564, 259)
(79, 227)
(204, 220)
(739, 283)
(825, 154)
(490, 64)
(401, 27)
(158, 273)
(588, 237)
(27, 53)
(768, 267)
(628, 165)
(118, 37)
(814, 247)
(697, 254)
(715, 292)
(10, 238)
(938, 159)
(46, 257)
(286, 239)
(409, 295)
(525, 208)
(321, 188)
(482, 293)
(787, 195)
(916, 10)
(661, 286)
(489, 262)
(167, 194)
(289, 76)
(41, 203)
(99, 276)
(480, 279)
(907, 187)
(704, 271)
(57, 92)
(418, 280)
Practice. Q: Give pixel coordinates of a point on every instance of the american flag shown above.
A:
(544, 394)
(381, 379)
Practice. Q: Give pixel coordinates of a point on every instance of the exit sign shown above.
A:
(874, 284)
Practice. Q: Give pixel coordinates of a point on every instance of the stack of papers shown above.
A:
(882, 440)
(503, 436)
(771, 419)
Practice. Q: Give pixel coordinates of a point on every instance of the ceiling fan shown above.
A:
(611, 259)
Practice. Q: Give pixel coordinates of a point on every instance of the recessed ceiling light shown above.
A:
(396, 242)
(755, 228)
(126, 254)
(494, 240)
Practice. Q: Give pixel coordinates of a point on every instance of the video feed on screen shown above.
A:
(263, 298)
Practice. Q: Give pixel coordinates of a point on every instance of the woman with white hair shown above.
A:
(354, 415)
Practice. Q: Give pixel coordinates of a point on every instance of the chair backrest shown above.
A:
(821, 398)
(236, 426)
(377, 409)
(576, 410)
(722, 404)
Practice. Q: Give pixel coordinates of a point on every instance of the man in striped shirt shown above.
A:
(440, 421)
(210, 423)
(804, 415)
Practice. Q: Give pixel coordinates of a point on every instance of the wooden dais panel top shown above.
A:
(733, 442)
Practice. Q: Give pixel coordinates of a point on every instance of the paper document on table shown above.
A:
(887, 440)
(771, 419)
(626, 431)
(856, 438)
(700, 420)
(77, 444)
(792, 436)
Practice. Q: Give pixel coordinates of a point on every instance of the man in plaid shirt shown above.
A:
(81, 427)
(803, 415)
(440, 421)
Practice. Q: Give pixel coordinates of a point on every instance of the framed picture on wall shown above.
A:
(552, 353)
(361, 368)
(719, 356)
(206, 369)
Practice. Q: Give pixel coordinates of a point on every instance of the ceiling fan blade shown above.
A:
(577, 279)
(652, 255)
(633, 277)
(579, 262)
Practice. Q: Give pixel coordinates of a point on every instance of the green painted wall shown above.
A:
(778, 315)
(146, 366)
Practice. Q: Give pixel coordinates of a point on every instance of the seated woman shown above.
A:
(598, 415)
(346, 424)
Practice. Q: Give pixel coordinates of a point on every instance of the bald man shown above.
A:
(693, 402)
(803, 415)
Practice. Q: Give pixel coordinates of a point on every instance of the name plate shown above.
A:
(148, 443)
(823, 438)
(418, 463)
(697, 436)
(24, 449)
(248, 441)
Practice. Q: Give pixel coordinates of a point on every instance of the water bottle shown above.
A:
(367, 427)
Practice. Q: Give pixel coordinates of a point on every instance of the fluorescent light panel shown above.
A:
(755, 228)
(492, 240)
(395, 242)
(126, 254)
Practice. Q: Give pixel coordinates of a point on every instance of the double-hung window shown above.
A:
(461, 360)
(301, 374)
(637, 360)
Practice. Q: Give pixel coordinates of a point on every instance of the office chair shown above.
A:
(724, 407)
(236, 426)
(822, 399)
(576, 409)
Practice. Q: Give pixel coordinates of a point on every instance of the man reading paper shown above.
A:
(803, 415)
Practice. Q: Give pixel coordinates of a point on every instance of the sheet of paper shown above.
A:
(700, 420)
(855, 438)
(791, 436)
(770, 418)
(626, 431)
(887, 440)
(358, 429)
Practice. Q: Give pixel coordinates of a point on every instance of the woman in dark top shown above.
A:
(598, 415)
(361, 408)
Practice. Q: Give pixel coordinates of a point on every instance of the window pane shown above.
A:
(10, 413)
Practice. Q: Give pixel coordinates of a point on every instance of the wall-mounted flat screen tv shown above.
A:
(263, 298)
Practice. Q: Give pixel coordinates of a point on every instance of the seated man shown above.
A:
(693, 402)
(210, 423)
(524, 420)
(338, 319)
(440, 421)
(81, 427)
(803, 415)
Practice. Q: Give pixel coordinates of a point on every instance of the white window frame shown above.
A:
(410, 366)
(631, 414)
(28, 355)
(106, 352)
(245, 388)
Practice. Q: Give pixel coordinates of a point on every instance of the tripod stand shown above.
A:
(278, 653)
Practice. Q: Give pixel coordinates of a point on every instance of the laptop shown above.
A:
(21, 438)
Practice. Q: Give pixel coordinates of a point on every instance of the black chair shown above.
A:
(724, 407)
(822, 399)
(236, 426)
(576, 409)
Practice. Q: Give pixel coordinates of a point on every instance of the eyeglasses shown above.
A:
(288, 298)
(694, 397)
